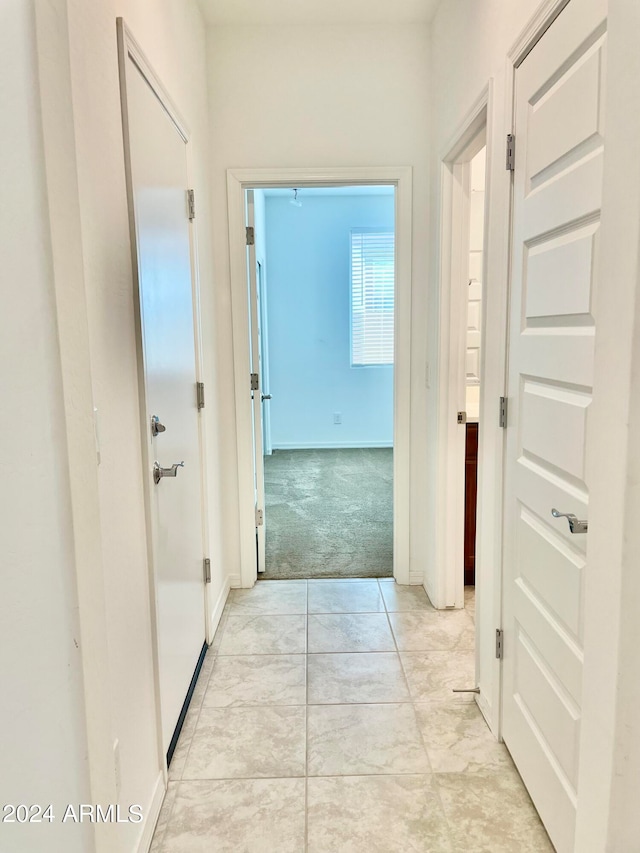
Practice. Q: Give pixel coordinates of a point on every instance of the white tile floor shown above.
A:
(324, 721)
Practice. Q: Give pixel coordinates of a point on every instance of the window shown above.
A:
(372, 296)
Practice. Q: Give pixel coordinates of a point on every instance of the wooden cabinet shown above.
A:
(470, 504)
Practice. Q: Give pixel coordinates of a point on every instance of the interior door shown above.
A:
(158, 164)
(559, 136)
(256, 385)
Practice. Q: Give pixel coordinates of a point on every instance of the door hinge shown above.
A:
(191, 204)
(251, 235)
(499, 643)
(504, 406)
(462, 417)
(255, 382)
(511, 152)
(259, 517)
(200, 394)
(206, 565)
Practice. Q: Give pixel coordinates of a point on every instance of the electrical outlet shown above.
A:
(337, 417)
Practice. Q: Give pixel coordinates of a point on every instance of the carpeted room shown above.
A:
(330, 513)
(326, 280)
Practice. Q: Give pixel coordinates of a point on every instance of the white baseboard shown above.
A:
(329, 445)
(151, 817)
(485, 707)
(218, 607)
(234, 581)
(416, 578)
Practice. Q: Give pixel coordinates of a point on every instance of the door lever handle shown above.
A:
(266, 397)
(159, 472)
(575, 525)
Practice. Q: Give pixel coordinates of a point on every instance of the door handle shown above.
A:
(266, 397)
(575, 525)
(159, 472)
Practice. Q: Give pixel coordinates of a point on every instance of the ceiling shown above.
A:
(306, 192)
(318, 11)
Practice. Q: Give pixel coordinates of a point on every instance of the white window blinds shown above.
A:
(372, 296)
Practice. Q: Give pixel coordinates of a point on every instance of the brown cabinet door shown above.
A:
(470, 504)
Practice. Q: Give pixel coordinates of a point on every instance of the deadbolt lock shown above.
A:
(156, 426)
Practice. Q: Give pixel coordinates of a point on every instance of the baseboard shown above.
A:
(234, 581)
(416, 578)
(151, 818)
(216, 613)
(429, 592)
(330, 445)
(485, 708)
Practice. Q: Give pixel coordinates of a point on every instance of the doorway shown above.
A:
(462, 383)
(322, 323)
(473, 359)
(248, 407)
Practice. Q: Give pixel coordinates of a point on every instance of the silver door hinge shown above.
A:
(200, 394)
(499, 643)
(191, 204)
(206, 565)
(255, 382)
(251, 235)
(259, 518)
(511, 152)
(504, 406)
(462, 417)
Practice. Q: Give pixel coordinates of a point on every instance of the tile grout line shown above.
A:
(195, 726)
(411, 700)
(177, 782)
(406, 680)
(433, 776)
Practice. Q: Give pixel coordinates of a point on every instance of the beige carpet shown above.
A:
(329, 513)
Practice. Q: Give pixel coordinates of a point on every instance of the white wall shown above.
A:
(42, 738)
(319, 96)
(82, 132)
(311, 378)
(609, 782)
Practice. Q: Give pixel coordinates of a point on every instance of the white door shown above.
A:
(256, 387)
(557, 199)
(159, 182)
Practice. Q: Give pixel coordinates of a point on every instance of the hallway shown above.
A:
(324, 721)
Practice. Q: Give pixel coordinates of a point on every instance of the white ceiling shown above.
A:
(306, 192)
(318, 11)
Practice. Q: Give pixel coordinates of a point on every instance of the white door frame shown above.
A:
(456, 174)
(130, 50)
(448, 591)
(264, 354)
(238, 180)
